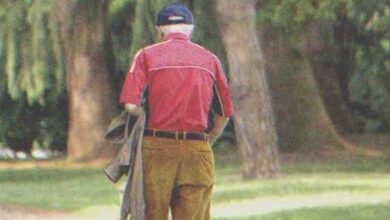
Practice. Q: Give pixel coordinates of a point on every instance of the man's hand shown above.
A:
(133, 109)
(219, 125)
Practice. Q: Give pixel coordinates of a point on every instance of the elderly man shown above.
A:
(188, 105)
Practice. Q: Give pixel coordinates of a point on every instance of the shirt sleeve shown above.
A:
(223, 102)
(135, 81)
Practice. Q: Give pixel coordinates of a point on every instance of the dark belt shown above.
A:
(177, 135)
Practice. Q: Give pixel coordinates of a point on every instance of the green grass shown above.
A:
(61, 189)
(78, 189)
(357, 176)
(355, 212)
(231, 188)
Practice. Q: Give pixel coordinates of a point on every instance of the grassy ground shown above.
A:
(60, 189)
(349, 190)
(346, 189)
(355, 212)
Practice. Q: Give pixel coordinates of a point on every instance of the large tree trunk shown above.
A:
(253, 119)
(85, 38)
(302, 121)
(332, 75)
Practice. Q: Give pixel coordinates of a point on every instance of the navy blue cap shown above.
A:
(174, 14)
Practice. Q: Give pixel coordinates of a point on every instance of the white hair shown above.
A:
(181, 28)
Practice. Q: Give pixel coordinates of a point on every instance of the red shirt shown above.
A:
(182, 79)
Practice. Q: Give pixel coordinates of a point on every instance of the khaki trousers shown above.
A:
(178, 174)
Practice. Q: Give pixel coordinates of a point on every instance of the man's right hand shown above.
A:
(219, 125)
(133, 109)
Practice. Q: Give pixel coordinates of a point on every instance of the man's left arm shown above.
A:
(223, 105)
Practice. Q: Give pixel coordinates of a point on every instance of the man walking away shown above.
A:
(188, 106)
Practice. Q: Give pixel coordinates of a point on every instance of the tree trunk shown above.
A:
(302, 121)
(85, 38)
(253, 119)
(332, 75)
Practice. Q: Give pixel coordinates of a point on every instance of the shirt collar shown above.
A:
(176, 36)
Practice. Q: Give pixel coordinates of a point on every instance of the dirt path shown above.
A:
(11, 212)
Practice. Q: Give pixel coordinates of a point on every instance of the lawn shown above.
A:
(354, 212)
(59, 189)
(354, 189)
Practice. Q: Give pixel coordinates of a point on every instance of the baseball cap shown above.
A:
(174, 13)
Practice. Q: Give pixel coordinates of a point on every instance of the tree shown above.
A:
(253, 119)
(32, 73)
(302, 120)
(85, 38)
(332, 62)
(343, 44)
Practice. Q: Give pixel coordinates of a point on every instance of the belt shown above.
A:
(177, 135)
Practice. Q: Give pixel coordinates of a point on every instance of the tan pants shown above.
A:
(178, 174)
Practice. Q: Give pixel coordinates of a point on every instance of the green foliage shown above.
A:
(15, 26)
(205, 31)
(120, 19)
(34, 66)
(32, 74)
(23, 123)
(18, 122)
(117, 6)
(3, 79)
(370, 85)
(56, 81)
(295, 14)
(35, 85)
(144, 30)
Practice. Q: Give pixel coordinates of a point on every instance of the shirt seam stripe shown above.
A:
(183, 67)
